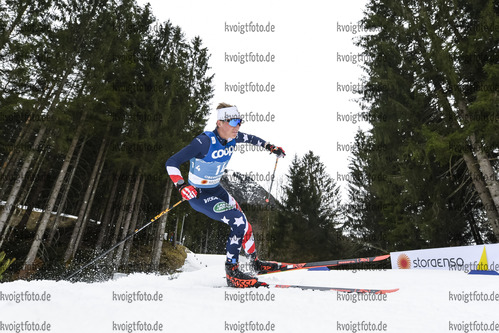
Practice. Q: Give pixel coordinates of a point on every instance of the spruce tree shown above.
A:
(427, 169)
(308, 221)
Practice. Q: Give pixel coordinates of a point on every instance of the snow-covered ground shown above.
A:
(197, 300)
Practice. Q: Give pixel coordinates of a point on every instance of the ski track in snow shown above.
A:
(197, 300)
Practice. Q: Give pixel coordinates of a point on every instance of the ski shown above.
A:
(324, 265)
(319, 288)
(344, 290)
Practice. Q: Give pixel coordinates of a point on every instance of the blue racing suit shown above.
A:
(209, 155)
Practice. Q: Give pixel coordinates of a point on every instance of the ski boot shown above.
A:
(238, 279)
(260, 266)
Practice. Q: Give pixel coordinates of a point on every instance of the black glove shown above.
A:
(276, 150)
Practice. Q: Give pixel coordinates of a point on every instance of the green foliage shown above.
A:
(428, 65)
(484, 111)
(308, 220)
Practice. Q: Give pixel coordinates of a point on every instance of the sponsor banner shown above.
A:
(462, 258)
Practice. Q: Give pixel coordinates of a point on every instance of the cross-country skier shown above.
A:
(209, 153)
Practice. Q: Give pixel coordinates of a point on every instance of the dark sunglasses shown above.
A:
(234, 122)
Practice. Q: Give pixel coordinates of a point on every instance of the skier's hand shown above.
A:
(276, 150)
(187, 191)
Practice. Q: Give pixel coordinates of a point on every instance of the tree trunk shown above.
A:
(62, 202)
(30, 204)
(158, 242)
(122, 210)
(12, 153)
(7, 172)
(27, 201)
(24, 196)
(71, 249)
(91, 200)
(22, 175)
(182, 230)
(475, 231)
(53, 197)
(175, 233)
(135, 218)
(106, 223)
(488, 172)
(483, 192)
(206, 240)
(128, 219)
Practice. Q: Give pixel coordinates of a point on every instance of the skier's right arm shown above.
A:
(197, 148)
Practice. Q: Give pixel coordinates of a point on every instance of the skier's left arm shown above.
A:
(253, 139)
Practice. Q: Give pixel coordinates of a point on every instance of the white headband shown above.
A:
(228, 113)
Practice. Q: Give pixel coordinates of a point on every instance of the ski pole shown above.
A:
(124, 240)
(272, 179)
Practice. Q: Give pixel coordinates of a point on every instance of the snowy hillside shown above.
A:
(197, 300)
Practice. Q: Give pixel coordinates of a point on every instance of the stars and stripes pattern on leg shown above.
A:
(219, 205)
(248, 240)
